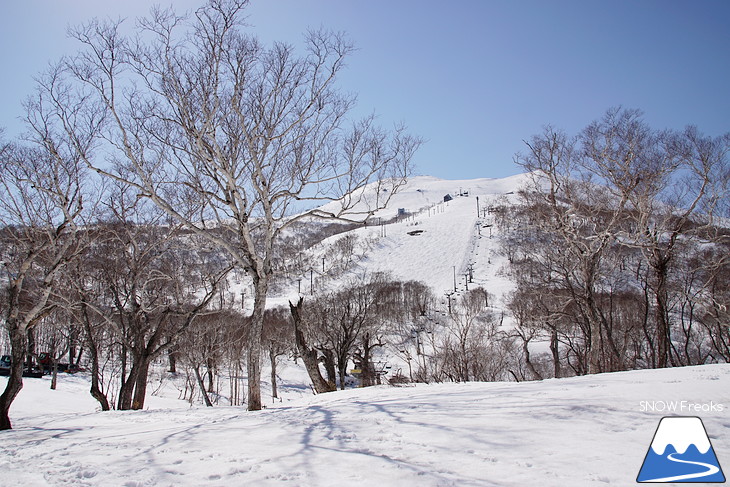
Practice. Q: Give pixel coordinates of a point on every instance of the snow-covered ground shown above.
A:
(584, 431)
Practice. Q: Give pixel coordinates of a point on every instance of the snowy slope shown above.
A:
(451, 235)
(585, 431)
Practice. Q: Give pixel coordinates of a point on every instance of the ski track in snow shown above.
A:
(449, 241)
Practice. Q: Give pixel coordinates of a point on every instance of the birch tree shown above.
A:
(40, 201)
(579, 218)
(235, 140)
(669, 184)
(620, 189)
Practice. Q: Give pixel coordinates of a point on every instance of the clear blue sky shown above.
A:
(472, 77)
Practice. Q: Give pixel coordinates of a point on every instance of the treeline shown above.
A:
(123, 287)
(376, 319)
(120, 286)
(130, 294)
(620, 247)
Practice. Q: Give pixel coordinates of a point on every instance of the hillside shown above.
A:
(433, 243)
(582, 432)
(451, 238)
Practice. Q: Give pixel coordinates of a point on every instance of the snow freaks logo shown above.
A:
(681, 452)
(680, 407)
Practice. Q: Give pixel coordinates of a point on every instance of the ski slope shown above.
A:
(582, 432)
(438, 241)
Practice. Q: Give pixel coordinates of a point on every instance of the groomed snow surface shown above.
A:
(584, 431)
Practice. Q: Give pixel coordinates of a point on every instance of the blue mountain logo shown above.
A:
(681, 452)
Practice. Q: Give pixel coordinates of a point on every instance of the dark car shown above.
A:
(5, 365)
(5, 362)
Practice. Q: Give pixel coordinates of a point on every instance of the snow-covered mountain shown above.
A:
(440, 238)
(425, 238)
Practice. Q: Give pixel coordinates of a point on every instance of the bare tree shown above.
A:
(158, 280)
(716, 302)
(469, 331)
(528, 327)
(617, 209)
(411, 324)
(223, 133)
(204, 344)
(83, 294)
(53, 339)
(307, 350)
(666, 182)
(41, 192)
(608, 187)
(278, 340)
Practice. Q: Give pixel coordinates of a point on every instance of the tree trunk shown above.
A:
(464, 360)
(73, 339)
(54, 375)
(645, 325)
(328, 357)
(210, 366)
(18, 346)
(203, 392)
(140, 384)
(30, 352)
(95, 390)
(124, 403)
(662, 321)
(76, 364)
(308, 355)
(172, 359)
(342, 372)
(254, 344)
(127, 394)
(555, 351)
(528, 361)
(366, 370)
(595, 352)
(123, 374)
(272, 360)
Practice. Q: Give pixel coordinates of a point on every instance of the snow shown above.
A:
(583, 431)
(450, 237)
(431, 256)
